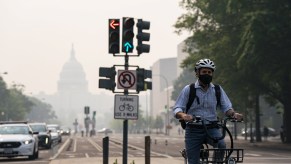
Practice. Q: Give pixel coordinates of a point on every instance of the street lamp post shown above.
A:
(167, 108)
(4, 115)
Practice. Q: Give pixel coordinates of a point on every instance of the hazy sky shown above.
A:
(36, 37)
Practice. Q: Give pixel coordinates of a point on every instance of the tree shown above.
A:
(250, 41)
(41, 112)
(187, 77)
(16, 106)
(159, 123)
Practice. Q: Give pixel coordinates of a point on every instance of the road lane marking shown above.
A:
(61, 149)
(141, 149)
(75, 145)
(87, 156)
(99, 148)
(251, 154)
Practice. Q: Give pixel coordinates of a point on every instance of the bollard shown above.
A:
(147, 149)
(106, 150)
(166, 143)
(82, 133)
(155, 141)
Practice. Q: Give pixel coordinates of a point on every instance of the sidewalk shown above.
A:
(131, 160)
(270, 144)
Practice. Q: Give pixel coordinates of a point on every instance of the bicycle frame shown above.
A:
(208, 155)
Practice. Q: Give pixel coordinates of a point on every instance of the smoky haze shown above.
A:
(37, 36)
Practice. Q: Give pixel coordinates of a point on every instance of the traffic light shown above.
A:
(109, 73)
(86, 110)
(142, 36)
(141, 75)
(114, 35)
(127, 34)
(94, 114)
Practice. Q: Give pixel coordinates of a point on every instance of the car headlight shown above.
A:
(27, 141)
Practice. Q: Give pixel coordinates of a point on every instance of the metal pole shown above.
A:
(235, 131)
(125, 140)
(147, 114)
(147, 149)
(167, 113)
(105, 150)
(125, 122)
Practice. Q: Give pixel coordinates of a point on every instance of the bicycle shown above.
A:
(126, 106)
(208, 155)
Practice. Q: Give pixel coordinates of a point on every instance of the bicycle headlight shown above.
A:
(27, 141)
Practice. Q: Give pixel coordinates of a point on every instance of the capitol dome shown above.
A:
(72, 76)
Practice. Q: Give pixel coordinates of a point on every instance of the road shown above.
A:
(161, 147)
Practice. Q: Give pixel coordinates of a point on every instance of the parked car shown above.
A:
(18, 139)
(272, 132)
(105, 131)
(56, 136)
(44, 136)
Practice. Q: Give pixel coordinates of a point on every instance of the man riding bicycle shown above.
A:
(204, 105)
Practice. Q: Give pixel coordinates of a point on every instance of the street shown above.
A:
(162, 147)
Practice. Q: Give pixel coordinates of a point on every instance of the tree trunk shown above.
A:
(287, 121)
(258, 120)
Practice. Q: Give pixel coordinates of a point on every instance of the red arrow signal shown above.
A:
(113, 24)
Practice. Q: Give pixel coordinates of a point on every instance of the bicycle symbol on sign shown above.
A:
(126, 106)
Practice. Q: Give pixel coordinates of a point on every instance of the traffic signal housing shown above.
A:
(127, 34)
(114, 36)
(109, 73)
(86, 110)
(142, 36)
(141, 75)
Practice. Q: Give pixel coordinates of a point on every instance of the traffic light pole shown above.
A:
(108, 74)
(125, 122)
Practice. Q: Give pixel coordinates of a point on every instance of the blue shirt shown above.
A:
(207, 106)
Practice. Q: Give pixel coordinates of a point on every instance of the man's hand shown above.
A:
(238, 116)
(184, 116)
(231, 113)
(187, 117)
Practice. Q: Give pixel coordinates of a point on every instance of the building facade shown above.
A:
(73, 95)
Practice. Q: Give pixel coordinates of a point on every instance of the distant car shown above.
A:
(65, 130)
(56, 126)
(56, 136)
(44, 136)
(105, 131)
(58, 130)
(18, 139)
(272, 132)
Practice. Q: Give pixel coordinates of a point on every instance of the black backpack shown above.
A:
(192, 96)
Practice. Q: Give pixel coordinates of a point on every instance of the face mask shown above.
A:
(205, 79)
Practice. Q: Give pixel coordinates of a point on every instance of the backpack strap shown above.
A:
(217, 94)
(192, 96)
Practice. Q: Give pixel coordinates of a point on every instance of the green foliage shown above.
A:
(187, 77)
(41, 112)
(250, 42)
(16, 106)
(159, 123)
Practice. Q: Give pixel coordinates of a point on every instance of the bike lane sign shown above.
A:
(126, 107)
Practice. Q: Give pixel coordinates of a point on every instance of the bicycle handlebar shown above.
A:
(218, 124)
